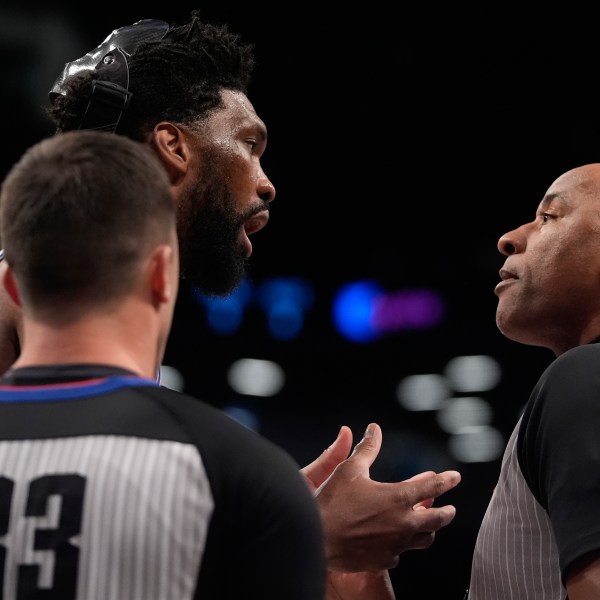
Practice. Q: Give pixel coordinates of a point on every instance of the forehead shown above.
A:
(575, 187)
(237, 111)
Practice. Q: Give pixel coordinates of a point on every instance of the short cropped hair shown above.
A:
(79, 212)
(178, 78)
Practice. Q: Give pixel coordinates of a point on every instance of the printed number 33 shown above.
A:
(70, 489)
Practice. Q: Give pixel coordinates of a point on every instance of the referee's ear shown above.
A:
(10, 285)
(163, 274)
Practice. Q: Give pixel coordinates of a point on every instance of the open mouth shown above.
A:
(256, 222)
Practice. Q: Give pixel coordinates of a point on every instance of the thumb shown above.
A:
(323, 466)
(366, 451)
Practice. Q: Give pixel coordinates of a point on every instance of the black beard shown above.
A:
(212, 257)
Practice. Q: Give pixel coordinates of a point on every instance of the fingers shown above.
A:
(366, 451)
(369, 524)
(421, 476)
(424, 504)
(340, 449)
(434, 519)
(429, 485)
(319, 470)
(423, 540)
(443, 515)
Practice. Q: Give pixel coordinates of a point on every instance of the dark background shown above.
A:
(402, 143)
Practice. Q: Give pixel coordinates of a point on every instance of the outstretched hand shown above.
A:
(368, 524)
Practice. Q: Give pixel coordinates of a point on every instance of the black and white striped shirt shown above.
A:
(112, 487)
(544, 513)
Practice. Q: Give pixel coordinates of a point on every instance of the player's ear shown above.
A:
(172, 147)
(10, 285)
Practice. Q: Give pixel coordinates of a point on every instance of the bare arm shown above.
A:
(370, 585)
(583, 581)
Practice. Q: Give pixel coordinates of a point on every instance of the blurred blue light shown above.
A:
(353, 310)
(226, 314)
(285, 300)
(362, 311)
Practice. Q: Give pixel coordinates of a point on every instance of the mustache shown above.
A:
(254, 210)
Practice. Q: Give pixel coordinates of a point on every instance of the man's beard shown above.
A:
(212, 256)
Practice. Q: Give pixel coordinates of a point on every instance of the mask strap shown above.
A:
(110, 96)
